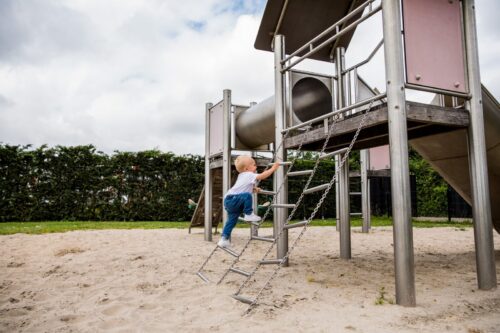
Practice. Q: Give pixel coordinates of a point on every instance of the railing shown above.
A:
(336, 112)
(339, 33)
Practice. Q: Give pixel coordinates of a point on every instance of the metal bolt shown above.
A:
(457, 84)
(418, 77)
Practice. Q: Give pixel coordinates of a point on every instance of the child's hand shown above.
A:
(276, 165)
(256, 189)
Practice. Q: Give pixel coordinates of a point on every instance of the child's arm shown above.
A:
(268, 172)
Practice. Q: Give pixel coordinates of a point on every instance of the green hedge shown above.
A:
(80, 183)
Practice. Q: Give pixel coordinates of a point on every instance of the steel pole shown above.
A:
(398, 141)
(208, 177)
(280, 214)
(226, 153)
(344, 202)
(481, 209)
(365, 189)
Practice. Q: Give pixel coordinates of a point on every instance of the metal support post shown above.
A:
(254, 230)
(344, 200)
(280, 214)
(481, 209)
(398, 141)
(337, 195)
(226, 153)
(365, 189)
(345, 218)
(208, 177)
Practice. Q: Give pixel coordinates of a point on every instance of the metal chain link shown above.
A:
(318, 205)
(269, 207)
(290, 216)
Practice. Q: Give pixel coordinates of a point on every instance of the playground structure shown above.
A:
(335, 114)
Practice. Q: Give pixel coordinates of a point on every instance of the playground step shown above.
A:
(264, 239)
(242, 299)
(299, 173)
(270, 262)
(239, 271)
(317, 188)
(203, 277)
(333, 153)
(295, 225)
(281, 163)
(267, 192)
(228, 250)
(249, 222)
(283, 205)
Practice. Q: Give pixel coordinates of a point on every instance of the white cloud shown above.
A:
(135, 75)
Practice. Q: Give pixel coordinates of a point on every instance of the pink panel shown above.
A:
(379, 158)
(434, 44)
(216, 127)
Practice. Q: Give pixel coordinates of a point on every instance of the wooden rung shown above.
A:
(355, 193)
(283, 205)
(228, 250)
(356, 214)
(299, 173)
(266, 192)
(270, 262)
(333, 153)
(316, 189)
(203, 277)
(239, 271)
(242, 299)
(295, 225)
(264, 239)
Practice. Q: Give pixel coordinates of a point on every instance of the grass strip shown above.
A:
(9, 228)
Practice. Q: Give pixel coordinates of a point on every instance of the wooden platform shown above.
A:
(423, 120)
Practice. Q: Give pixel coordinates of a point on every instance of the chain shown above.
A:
(268, 208)
(318, 206)
(330, 131)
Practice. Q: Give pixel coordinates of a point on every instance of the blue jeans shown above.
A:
(235, 205)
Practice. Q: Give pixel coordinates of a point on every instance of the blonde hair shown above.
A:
(242, 162)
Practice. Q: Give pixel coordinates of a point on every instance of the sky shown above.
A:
(133, 75)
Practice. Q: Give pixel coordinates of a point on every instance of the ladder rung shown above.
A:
(270, 262)
(264, 239)
(242, 299)
(333, 153)
(266, 192)
(355, 193)
(203, 277)
(295, 225)
(299, 173)
(283, 205)
(239, 271)
(228, 250)
(356, 214)
(282, 163)
(250, 222)
(316, 189)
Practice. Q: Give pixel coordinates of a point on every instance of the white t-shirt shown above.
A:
(245, 183)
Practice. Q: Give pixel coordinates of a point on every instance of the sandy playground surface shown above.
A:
(144, 281)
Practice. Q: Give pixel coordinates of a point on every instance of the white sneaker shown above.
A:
(252, 218)
(224, 242)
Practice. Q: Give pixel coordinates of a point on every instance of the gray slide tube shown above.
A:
(310, 99)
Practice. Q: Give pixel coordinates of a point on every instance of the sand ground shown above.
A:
(144, 281)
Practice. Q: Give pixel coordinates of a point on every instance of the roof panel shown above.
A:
(302, 21)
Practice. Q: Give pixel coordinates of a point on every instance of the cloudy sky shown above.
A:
(132, 75)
